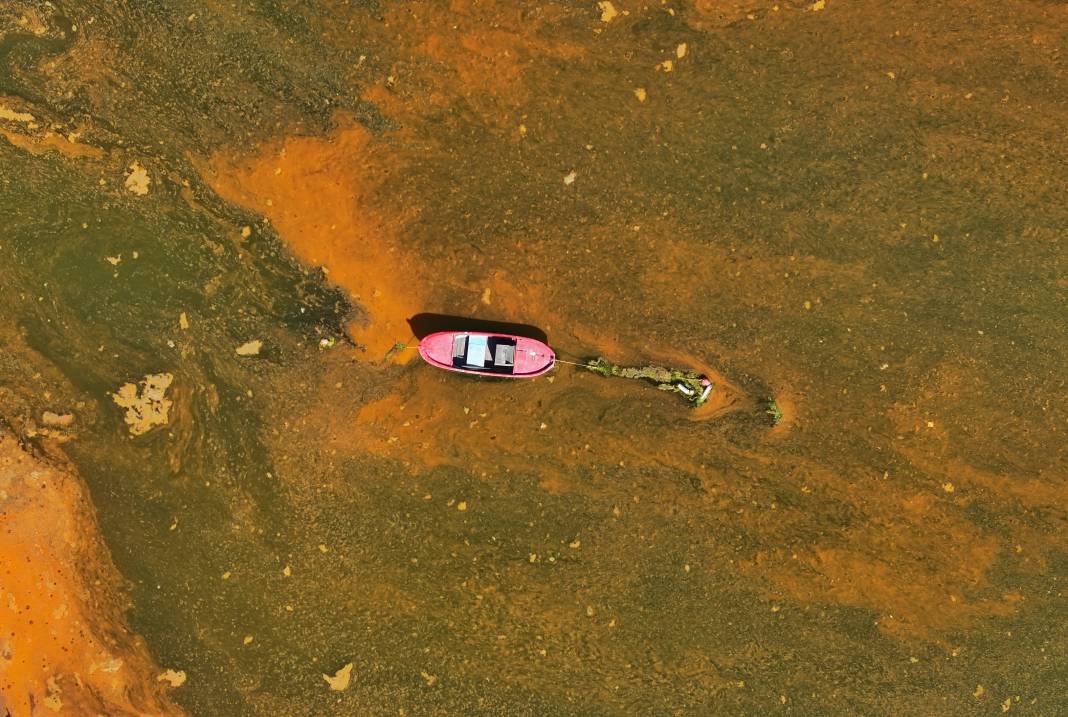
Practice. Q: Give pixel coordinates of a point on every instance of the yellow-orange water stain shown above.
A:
(323, 195)
(915, 565)
(490, 44)
(51, 141)
(920, 422)
(915, 558)
(919, 597)
(470, 51)
(63, 644)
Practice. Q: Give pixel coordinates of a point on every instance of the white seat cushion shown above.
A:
(476, 351)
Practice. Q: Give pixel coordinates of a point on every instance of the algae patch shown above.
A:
(695, 388)
(146, 402)
(772, 411)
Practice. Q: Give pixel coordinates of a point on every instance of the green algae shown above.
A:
(690, 385)
(772, 411)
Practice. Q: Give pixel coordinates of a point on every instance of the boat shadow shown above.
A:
(425, 324)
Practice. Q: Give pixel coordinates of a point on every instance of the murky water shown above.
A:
(853, 210)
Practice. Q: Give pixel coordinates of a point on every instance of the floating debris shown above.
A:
(327, 342)
(340, 680)
(695, 388)
(175, 678)
(24, 117)
(249, 348)
(137, 180)
(148, 406)
(608, 11)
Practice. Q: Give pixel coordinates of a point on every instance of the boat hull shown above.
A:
(487, 354)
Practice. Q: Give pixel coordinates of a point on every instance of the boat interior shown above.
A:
(492, 354)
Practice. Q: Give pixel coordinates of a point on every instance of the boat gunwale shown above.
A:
(425, 354)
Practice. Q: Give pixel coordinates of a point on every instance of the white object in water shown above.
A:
(684, 389)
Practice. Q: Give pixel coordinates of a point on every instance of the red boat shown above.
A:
(486, 354)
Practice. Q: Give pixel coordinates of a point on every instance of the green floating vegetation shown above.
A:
(693, 387)
(397, 348)
(772, 410)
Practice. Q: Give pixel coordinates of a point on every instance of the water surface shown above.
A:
(851, 210)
